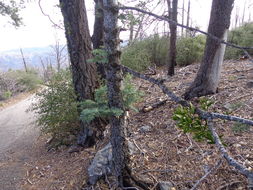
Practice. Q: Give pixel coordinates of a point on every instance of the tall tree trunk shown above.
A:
(114, 80)
(208, 75)
(243, 13)
(173, 37)
(98, 33)
(79, 47)
(188, 17)
(182, 29)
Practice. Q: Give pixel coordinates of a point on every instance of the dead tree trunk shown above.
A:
(182, 29)
(79, 47)
(188, 17)
(24, 62)
(98, 33)
(114, 78)
(173, 37)
(208, 75)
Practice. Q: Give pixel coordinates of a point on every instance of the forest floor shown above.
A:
(166, 153)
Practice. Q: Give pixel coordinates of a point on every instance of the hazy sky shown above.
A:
(38, 30)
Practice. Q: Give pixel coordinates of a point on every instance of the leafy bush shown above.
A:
(17, 81)
(7, 94)
(141, 54)
(99, 107)
(154, 50)
(57, 106)
(242, 36)
(189, 122)
(136, 56)
(190, 50)
(29, 80)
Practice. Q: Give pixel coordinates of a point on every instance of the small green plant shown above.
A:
(190, 122)
(56, 107)
(99, 56)
(7, 94)
(99, 107)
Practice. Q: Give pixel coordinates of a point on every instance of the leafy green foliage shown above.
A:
(154, 50)
(99, 107)
(190, 50)
(29, 80)
(242, 36)
(14, 82)
(7, 94)
(11, 10)
(136, 56)
(99, 56)
(190, 122)
(57, 106)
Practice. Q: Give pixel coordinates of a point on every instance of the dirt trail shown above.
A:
(17, 135)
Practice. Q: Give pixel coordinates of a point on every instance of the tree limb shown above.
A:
(217, 165)
(179, 100)
(231, 161)
(48, 16)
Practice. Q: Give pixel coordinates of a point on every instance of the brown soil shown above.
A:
(168, 154)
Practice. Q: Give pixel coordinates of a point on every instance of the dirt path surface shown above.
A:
(17, 135)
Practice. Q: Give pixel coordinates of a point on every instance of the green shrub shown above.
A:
(190, 122)
(142, 54)
(13, 82)
(242, 36)
(136, 57)
(154, 50)
(7, 94)
(99, 107)
(57, 106)
(190, 50)
(30, 80)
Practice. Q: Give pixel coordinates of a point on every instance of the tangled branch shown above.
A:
(209, 116)
(177, 99)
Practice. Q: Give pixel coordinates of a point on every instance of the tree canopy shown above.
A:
(11, 10)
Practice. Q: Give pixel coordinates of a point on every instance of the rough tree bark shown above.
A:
(114, 80)
(98, 33)
(79, 47)
(173, 37)
(120, 150)
(206, 81)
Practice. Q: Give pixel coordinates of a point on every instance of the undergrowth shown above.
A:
(190, 122)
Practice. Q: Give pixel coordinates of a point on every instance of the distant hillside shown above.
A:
(12, 59)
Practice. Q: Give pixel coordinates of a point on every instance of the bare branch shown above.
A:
(217, 165)
(48, 16)
(231, 161)
(175, 98)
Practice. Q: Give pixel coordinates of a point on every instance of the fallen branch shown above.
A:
(217, 165)
(231, 161)
(153, 106)
(179, 100)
